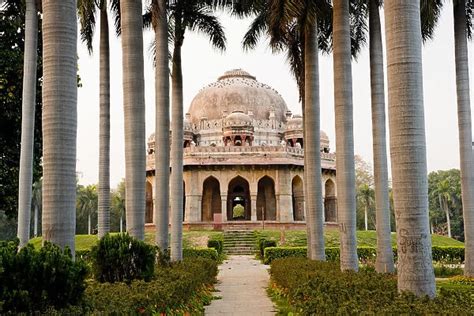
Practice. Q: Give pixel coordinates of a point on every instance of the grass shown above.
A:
(191, 239)
(293, 238)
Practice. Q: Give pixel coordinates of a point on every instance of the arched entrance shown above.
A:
(211, 199)
(298, 198)
(149, 203)
(238, 199)
(266, 200)
(330, 205)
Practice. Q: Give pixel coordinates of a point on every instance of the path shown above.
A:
(242, 283)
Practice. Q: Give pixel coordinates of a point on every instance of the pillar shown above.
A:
(224, 206)
(253, 207)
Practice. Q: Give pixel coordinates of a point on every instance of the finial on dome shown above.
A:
(235, 73)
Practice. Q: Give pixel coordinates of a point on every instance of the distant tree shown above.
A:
(118, 208)
(87, 201)
(12, 37)
(445, 203)
(366, 196)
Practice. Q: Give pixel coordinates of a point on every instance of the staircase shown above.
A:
(239, 242)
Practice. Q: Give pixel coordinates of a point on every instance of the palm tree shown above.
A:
(27, 122)
(292, 27)
(118, 203)
(408, 146)
(194, 15)
(444, 194)
(462, 31)
(344, 135)
(162, 124)
(87, 11)
(87, 204)
(134, 115)
(384, 262)
(59, 121)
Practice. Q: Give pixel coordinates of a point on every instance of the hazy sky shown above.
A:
(202, 65)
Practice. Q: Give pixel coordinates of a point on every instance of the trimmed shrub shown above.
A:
(217, 244)
(122, 258)
(36, 280)
(265, 243)
(320, 288)
(208, 253)
(365, 254)
(181, 288)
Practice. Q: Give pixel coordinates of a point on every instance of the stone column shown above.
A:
(224, 206)
(284, 198)
(192, 212)
(253, 210)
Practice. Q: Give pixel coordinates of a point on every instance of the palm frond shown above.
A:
(257, 28)
(430, 11)
(115, 9)
(358, 11)
(86, 11)
(201, 20)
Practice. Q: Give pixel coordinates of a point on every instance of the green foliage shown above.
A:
(86, 206)
(217, 244)
(265, 243)
(178, 289)
(208, 253)
(35, 280)
(445, 271)
(320, 288)
(365, 254)
(12, 38)
(122, 258)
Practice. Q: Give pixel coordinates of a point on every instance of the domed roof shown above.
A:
(295, 123)
(238, 118)
(324, 136)
(237, 90)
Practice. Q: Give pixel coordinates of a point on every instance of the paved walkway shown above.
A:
(242, 283)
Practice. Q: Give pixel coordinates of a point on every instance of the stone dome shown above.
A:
(295, 123)
(238, 118)
(237, 90)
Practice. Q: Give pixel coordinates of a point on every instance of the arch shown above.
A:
(238, 193)
(211, 199)
(266, 200)
(330, 201)
(297, 190)
(149, 203)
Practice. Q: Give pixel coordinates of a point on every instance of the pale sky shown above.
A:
(202, 65)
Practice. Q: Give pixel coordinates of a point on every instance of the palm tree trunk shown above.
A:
(89, 224)
(59, 121)
(35, 223)
(312, 125)
(176, 190)
(344, 136)
(448, 219)
(366, 224)
(121, 223)
(104, 133)
(27, 122)
(408, 146)
(134, 116)
(465, 130)
(162, 127)
(384, 262)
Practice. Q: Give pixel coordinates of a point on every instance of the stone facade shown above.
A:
(243, 158)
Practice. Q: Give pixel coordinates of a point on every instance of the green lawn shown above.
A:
(190, 239)
(290, 238)
(331, 236)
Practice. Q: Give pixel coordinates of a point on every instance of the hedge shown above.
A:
(440, 253)
(180, 289)
(265, 243)
(209, 253)
(320, 288)
(217, 244)
(33, 281)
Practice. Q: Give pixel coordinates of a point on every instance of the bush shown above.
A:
(208, 253)
(444, 271)
(181, 288)
(217, 244)
(122, 258)
(315, 288)
(448, 254)
(265, 243)
(35, 280)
